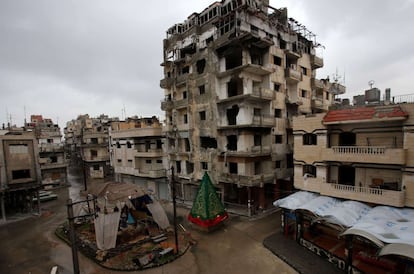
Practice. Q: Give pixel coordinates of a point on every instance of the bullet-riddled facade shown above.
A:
(136, 150)
(234, 76)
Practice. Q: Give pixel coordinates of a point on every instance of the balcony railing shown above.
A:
(364, 194)
(263, 120)
(318, 84)
(166, 105)
(365, 154)
(337, 89)
(249, 152)
(246, 180)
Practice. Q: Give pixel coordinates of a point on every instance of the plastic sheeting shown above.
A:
(390, 228)
(158, 214)
(106, 229)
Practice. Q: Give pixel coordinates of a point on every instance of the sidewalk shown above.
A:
(297, 256)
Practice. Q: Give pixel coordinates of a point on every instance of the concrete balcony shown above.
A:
(253, 151)
(317, 84)
(50, 165)
(263, 93)
(151, 153)
(102, 158)
(337, 89)
(365, 154)
(249, 68)
(180, 103)
(137, 132)
(246, 180)
(292, 53)
(317, 102)
(50, 147)
(293, 76)
(364, 194)
(126, 170)
(167, 105)
(316, 62)
(263, 121)
(166, 83)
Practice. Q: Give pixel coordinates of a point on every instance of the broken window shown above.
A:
(257, 140)
(178, 166)
(185, 119)
(94, 140)
(209, 39)
(282, 44)
(202, 115)
(202, 89)
(257, 112)
(278, 139)
(159, 161)
(94, 154)
(53, 159)
(232, 142)
(327, 95)
(257, 168)
(232, 115)
(147, 145)
(159, 144)
(256, 57)
(277, 60)
(304, 93)
(129, 144)
(233, 168)
(201, 64)
(208, 142)
(185, 94)
(204, 166)
(50, 141)
(96, 167)
(278, 113)
(304, 70)
(309, 170)
(148, 161)
(189, 167)
(278, 164)
(187, 144)
(276, 86)
(234, 87)
(20, 174)
(118, 145)
(185, 70)
(234, 58)
(289, 160)
(309, 139)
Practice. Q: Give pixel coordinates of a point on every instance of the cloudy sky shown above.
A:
(65, 58)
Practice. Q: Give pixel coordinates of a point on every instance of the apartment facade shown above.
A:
(234, 76)
(20, 176)
(361, 153)
(52, 158)
(137, 153)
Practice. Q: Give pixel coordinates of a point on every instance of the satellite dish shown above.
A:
(371, 83)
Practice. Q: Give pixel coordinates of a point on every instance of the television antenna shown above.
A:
(371, 83)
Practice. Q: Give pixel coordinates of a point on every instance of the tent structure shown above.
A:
(207, 211)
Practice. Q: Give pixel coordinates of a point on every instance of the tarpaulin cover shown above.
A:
(106, 229)
(390, 228)
(158, 214)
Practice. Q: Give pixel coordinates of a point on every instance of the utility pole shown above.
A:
(71, 220)
(174, 207)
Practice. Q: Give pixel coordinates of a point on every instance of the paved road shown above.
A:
(30, 246)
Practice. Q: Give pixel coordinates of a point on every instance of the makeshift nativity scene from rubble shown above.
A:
(208, 211)
(126, 217)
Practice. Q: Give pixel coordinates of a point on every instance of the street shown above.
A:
(30, 246)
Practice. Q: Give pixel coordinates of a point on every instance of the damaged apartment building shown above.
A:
(52, 158)
(136, 150)
(234, 76)
(88, 139)
(20, 177)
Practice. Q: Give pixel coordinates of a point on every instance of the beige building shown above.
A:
(136, 151)
(363, 153)
(20, 177)
(234, 76)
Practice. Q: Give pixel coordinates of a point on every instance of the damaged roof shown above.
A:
(364, 114)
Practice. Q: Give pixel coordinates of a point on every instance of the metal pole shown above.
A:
(174, 207)
(72, 237)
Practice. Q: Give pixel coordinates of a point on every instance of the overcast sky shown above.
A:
(65, 58)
